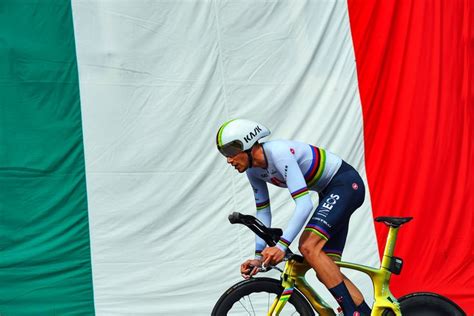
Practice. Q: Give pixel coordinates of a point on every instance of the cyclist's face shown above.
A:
(239, 161)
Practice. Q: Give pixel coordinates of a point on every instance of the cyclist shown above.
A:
(299, 167)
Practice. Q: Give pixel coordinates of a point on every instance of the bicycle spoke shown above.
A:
(245, 307)
(250, 301)
(259, 303)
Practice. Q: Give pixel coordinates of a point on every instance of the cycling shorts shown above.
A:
(342, 196)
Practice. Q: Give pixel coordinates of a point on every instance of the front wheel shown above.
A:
(255, 297)
(426, 304)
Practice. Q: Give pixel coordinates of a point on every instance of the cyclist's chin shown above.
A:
(241, 169)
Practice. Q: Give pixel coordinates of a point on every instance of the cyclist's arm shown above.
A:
(262, 201)
(287, 165)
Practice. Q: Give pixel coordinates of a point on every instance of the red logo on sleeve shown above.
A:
(292, 151)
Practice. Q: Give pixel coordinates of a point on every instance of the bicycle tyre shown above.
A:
(256, 285)
(426, 304)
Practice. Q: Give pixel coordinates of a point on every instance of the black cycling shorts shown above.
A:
(342, 196)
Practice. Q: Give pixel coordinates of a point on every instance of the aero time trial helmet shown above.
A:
(239, 135)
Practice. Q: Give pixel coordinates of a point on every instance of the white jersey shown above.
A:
(299, 167)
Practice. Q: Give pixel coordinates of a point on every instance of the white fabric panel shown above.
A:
(157, 78)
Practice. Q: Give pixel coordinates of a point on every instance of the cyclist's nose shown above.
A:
(229, 159)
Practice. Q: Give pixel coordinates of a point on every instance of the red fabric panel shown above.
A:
(415, 69)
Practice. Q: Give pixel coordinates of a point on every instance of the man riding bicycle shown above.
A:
(301, 168)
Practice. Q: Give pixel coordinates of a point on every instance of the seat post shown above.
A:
(390, 246)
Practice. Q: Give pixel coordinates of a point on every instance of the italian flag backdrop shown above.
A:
(113, 198)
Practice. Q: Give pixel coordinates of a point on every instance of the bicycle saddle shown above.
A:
(393, 221)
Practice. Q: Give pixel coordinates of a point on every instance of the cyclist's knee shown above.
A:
(311, 244)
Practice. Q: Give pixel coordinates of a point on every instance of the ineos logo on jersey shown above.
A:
(251, 135)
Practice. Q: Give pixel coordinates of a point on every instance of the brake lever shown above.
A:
(269, 267)
(264, 268)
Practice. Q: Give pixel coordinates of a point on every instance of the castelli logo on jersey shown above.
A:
(292, 151)
(251, 135)
(355, 186)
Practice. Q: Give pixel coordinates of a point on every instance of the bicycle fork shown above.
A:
(292, 277)
(280, 301)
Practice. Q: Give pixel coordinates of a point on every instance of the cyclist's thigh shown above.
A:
(335, 245)
(332, 212)
(312, 240)
(338, 201)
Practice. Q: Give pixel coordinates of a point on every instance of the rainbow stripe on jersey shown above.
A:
(283, 242)
(262, 205)
(316, 169)
(299, 193)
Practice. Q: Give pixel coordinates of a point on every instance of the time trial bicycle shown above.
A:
(292, 295)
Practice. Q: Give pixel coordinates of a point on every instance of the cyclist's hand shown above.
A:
(272, 256)
(250, 268)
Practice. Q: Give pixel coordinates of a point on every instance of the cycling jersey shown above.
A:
(299, 167)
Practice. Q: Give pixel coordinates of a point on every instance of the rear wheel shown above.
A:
(255, 297)
(426, 304)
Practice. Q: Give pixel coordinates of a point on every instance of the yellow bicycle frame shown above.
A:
(294, 272)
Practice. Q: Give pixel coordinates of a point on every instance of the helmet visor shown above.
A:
(231, 149)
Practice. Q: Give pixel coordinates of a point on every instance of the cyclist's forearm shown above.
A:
(265, 216)
(303, 208)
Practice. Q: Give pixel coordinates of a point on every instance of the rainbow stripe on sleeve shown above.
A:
(316, 169)
(262, 205)
(283, 242)
(299, 193)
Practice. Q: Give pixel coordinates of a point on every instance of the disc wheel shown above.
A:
(426, 304)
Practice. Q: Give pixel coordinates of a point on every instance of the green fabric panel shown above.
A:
(45, 260)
